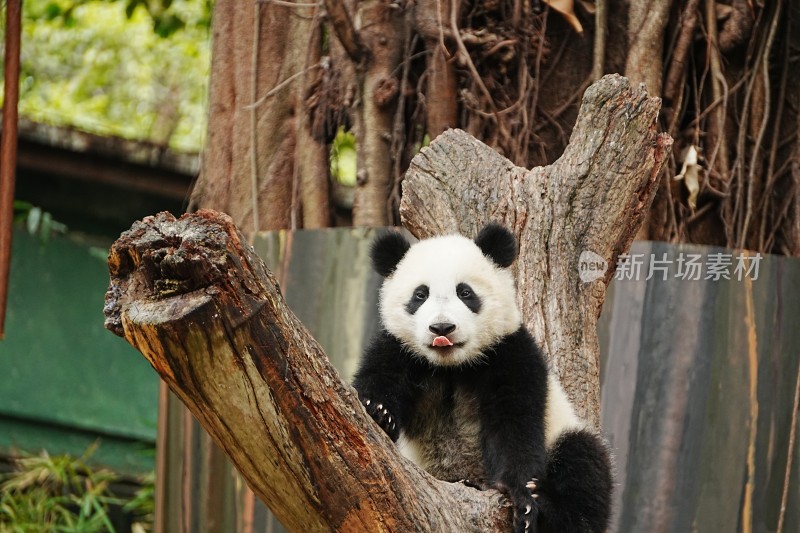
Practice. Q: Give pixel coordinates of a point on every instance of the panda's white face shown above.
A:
(448, 302)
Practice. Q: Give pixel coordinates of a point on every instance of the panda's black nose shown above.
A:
(442, 328)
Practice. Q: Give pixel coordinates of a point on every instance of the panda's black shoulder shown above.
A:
(383, 346)
(520, 343)
(519, 354)
(383, 357)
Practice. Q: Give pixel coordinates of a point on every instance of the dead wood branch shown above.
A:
(193, 297)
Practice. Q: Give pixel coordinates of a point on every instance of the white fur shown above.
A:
(410, 449)
(560, 415)
(441, 263)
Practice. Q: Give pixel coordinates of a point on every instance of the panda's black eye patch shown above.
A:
(418, 298)
(468, 296)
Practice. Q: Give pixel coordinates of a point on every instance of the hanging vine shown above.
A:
(513, 76)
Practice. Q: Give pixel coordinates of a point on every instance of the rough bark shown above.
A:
(374, 40)
(441, 96)
(195, 299)
(592, 199)
(263, 165)
(384, 31)
(646, 23)
(209, 317)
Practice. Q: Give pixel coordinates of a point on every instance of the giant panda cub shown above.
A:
(458, 382)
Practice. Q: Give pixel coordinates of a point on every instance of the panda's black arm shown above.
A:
(382, 382)
(512, 416)
(513, 435)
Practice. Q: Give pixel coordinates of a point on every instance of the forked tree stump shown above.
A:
(593, 199)
(198, 303)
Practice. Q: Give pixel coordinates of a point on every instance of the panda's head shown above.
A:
(448, 298)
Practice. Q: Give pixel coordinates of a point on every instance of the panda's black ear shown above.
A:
(498, 244)
(387, 250)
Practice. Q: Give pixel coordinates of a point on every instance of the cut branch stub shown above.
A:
(198, 303)
(591, 201)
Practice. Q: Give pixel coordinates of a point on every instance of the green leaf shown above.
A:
(22, 205)
(343, 158)
(68, 16)
(46, 227)
(34, 215)
(166, 25)
(131, 7)
(51, 11)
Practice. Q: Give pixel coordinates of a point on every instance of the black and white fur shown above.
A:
(486, 409)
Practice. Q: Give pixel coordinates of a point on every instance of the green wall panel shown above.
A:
(58, 365)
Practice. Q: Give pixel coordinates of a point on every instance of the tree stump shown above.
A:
(194, 298)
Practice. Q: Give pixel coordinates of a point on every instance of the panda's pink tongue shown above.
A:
(442, 341)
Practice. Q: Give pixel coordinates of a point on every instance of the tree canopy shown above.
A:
(127, 68)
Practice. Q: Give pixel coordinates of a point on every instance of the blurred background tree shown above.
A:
(286, 75)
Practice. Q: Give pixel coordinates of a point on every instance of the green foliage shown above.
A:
(36, 221)
(130, 68)
(426, 140)
(167, 16)
(343, 158)
(143, 505)
(63, 494)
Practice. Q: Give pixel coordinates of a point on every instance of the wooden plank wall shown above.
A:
(700, 379)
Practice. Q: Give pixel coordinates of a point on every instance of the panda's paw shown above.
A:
(524, 502)
(383, 417)
(526, 513)
(533, 487)
(527, 509)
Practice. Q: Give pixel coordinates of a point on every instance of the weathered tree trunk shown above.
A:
(375, 41)
(441, 96)
(208, 315)
(646, 23)
(263, 164)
